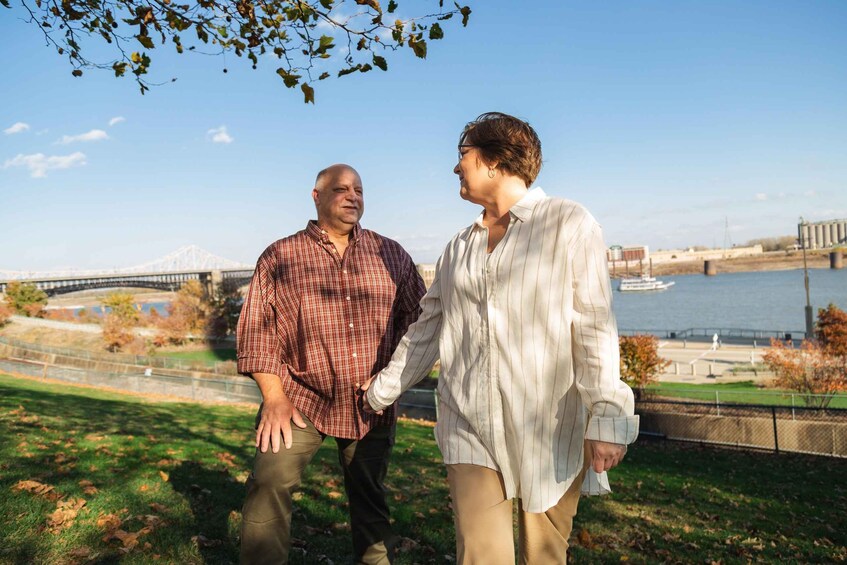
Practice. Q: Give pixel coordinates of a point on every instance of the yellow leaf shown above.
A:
(164, 476)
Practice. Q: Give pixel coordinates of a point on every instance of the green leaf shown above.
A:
(323, 76)
(435, 32)
(392, 5)
(308, 93)
(6, 3)
(327, 4)
(290, 79)
(418, 45)
(119, 68)
(326, 42)
(145, 41)
(380, 62)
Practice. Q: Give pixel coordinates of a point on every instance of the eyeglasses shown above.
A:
(460, 149)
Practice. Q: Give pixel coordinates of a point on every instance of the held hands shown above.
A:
(363, 398)
(604, 455)
(277, 415)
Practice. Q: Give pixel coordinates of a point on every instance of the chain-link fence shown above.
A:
(220, 367)
(415, 403)
(773, 428)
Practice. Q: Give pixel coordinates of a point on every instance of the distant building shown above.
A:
(427, 273)
(820, 235)
(627, 254)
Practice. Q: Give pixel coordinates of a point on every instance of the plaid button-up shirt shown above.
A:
(325, 323)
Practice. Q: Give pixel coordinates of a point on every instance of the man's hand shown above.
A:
(277, 415)
(605, 455)
(366, 406)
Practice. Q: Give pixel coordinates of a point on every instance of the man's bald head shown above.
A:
(338, 198)
(326, 175)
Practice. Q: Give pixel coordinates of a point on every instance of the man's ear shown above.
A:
(315, 195)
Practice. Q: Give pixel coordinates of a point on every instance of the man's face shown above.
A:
(339, 198)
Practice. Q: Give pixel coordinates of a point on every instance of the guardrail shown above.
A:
(723, 334)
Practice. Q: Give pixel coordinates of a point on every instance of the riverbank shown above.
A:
(88, 299)
(774, 261)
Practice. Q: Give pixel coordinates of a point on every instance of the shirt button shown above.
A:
(344, 271)
(351, 325)
(354, 355)
(348, 298)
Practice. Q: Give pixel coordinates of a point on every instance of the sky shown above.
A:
(676, 123)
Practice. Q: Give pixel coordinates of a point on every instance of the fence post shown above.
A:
(792, 407)
(718, 402)
(775, 434)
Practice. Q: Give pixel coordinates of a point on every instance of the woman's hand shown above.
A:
(363, 397)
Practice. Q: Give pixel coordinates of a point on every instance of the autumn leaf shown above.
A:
(109, 522)
(88, 487)
(158, 508)
(38, 489)
(334, 494)
(63, 516)
(165, 476)
(584, 538)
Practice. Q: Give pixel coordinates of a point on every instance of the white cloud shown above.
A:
(93, 135)
(219, 135)
(17, 127)
(761, 196)
(38, 163)
(810, 193)
(116, 120)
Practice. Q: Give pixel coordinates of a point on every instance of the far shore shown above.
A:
(773, 261)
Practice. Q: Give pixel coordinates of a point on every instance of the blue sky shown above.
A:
(666, 119)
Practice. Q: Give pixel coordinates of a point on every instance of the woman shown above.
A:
(520, 315)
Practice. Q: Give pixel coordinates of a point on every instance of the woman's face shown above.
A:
(474, 181)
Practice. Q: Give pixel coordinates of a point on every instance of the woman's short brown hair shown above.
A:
(506, 140)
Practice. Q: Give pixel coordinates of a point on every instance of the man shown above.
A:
(325, 310)
(531, 405)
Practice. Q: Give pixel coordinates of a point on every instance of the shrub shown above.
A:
(640, 361)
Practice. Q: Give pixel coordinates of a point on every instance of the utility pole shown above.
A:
(810, 330)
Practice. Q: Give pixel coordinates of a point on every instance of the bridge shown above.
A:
(167, 273)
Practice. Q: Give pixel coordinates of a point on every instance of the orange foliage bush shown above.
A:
(640, 361)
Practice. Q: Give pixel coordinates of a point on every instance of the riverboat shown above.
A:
(644, 283)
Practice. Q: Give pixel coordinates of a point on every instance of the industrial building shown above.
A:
(821, 235)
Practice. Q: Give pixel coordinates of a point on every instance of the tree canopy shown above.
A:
(298, 37)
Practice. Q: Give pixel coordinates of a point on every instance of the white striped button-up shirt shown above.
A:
(529, 351)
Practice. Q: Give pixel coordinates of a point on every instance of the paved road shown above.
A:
(693, 362)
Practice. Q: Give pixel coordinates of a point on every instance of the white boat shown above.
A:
(644, 283)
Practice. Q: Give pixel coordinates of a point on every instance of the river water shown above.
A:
(770, 300)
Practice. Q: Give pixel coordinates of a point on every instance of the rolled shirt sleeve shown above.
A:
(258, 343)
(596, 353)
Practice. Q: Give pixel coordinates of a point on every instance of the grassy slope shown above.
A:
(744, 392)
(674, 503)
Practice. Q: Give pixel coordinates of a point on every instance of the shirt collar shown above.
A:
(319, 235)
(520, 210)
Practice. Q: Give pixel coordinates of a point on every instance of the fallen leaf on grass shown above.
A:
(334, 494)
(63, 516)
(406, 545)
(159, 508)
(203, 541)
(165, 476)
(38, 489)
(584, 539)
(83, 552)
(109, 522)
(227, 458)
(88, 487)
(143, 488)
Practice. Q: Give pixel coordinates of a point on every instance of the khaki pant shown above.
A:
(266, 524)
(483, 517)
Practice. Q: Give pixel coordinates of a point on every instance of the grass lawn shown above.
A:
(208, 356)
(91, 476)
(744, 392)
